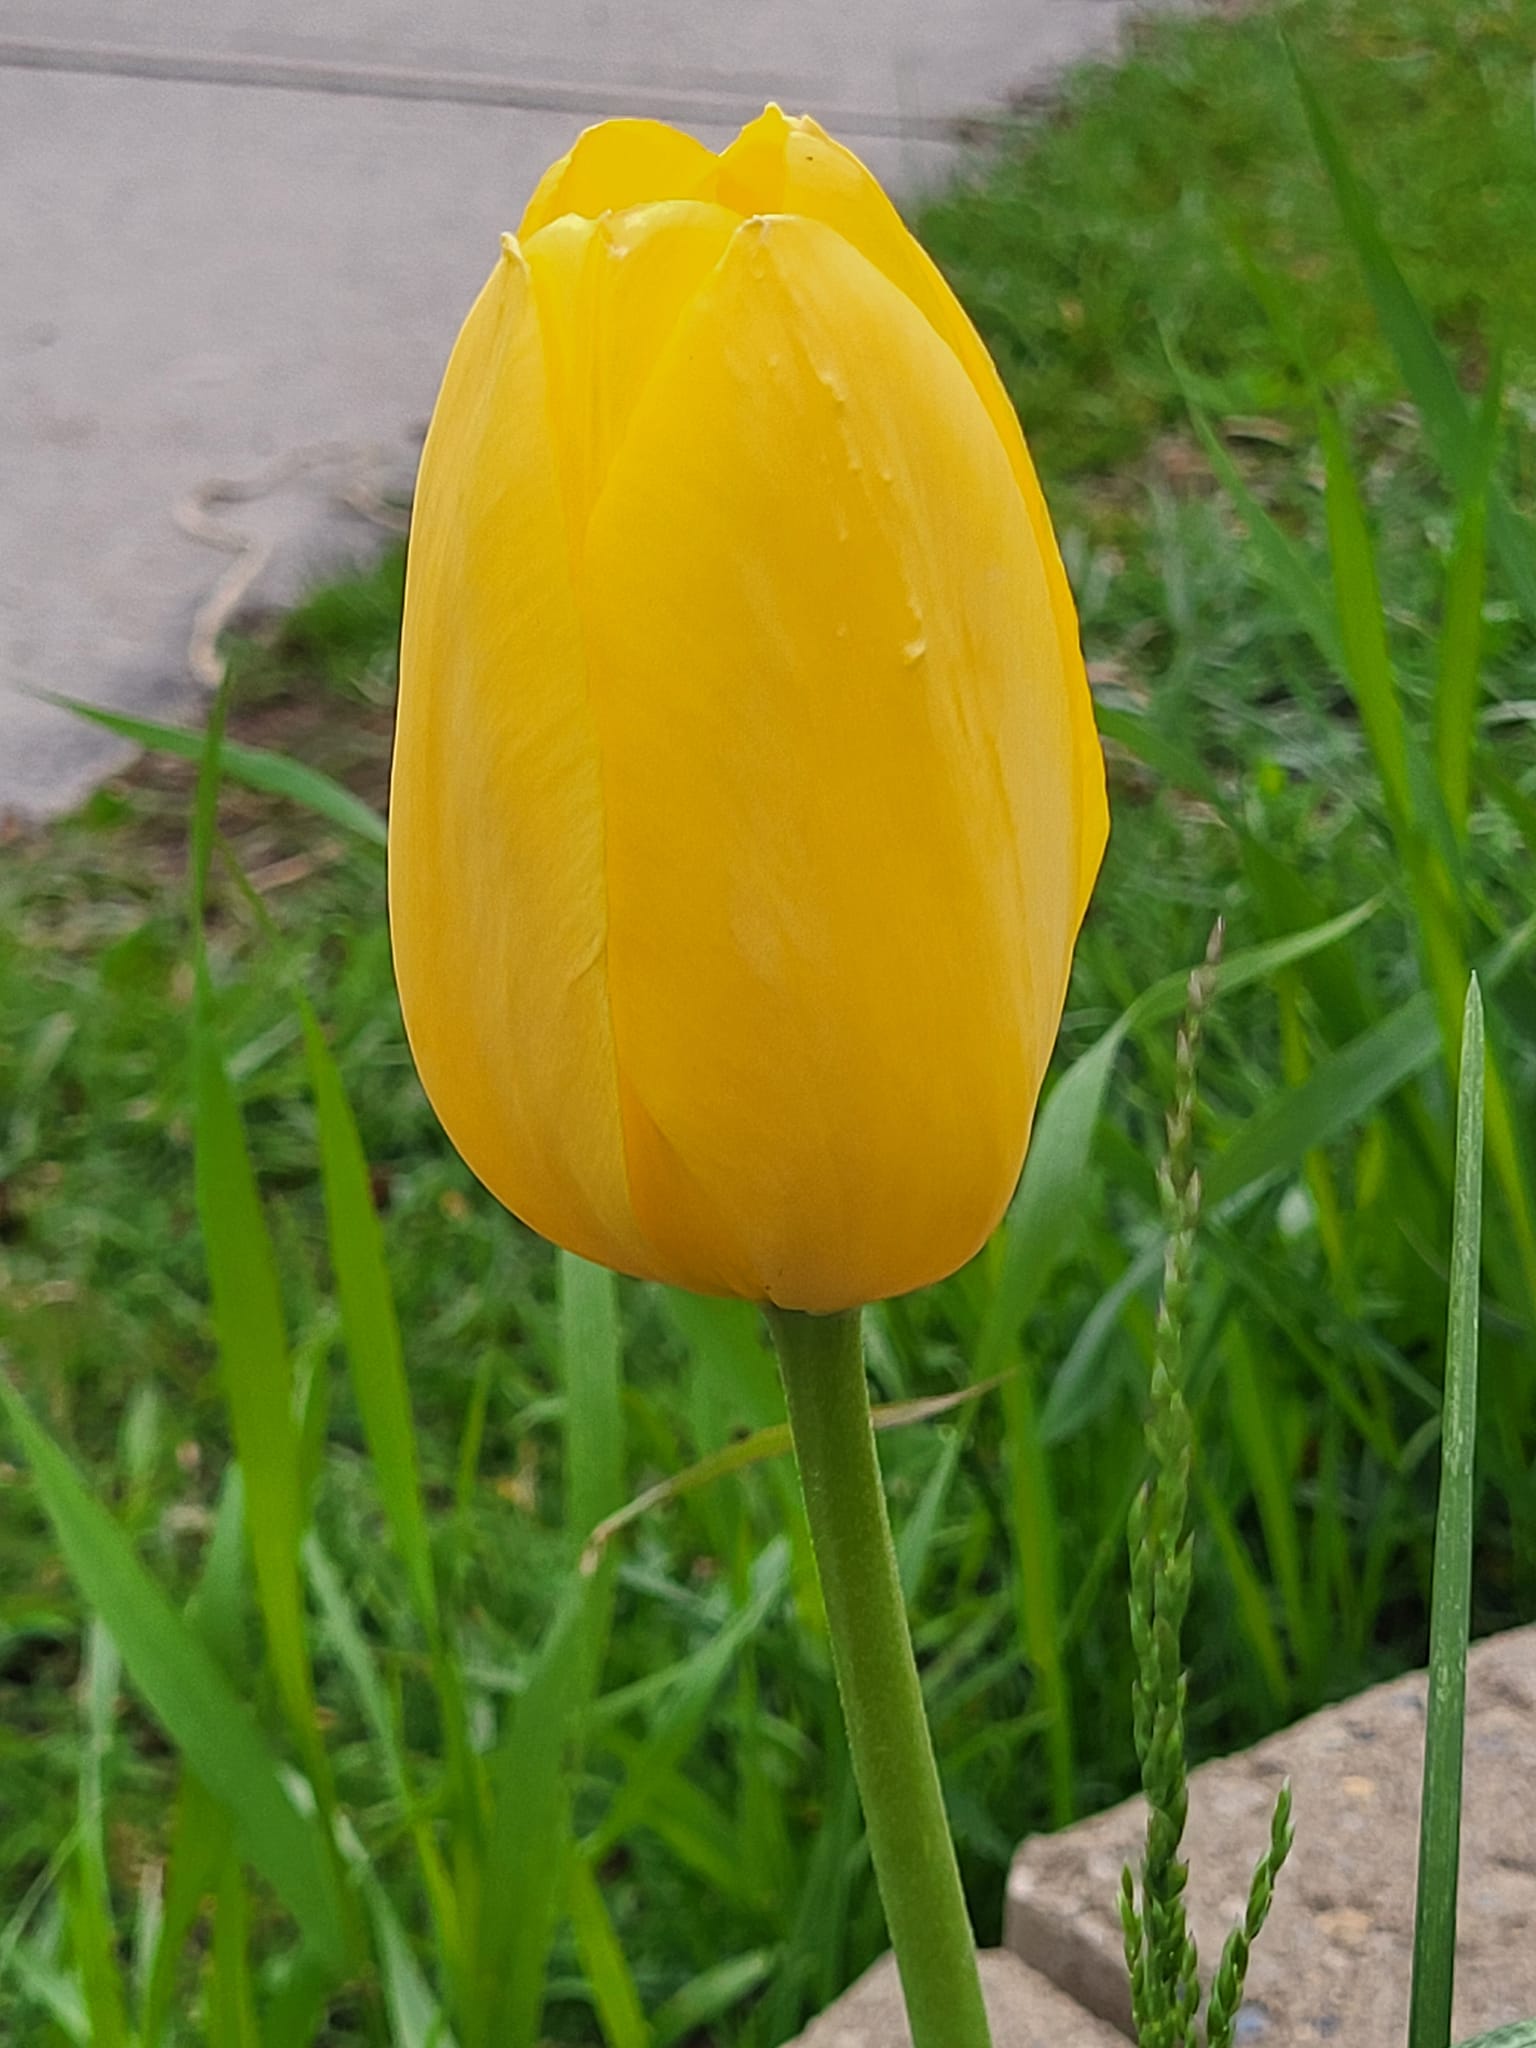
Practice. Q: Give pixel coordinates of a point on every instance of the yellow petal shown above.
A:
(610, 292)
(839, 782)
(497, 902)
(618, 164)
(780, 165)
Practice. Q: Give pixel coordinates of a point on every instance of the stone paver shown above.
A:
(1333, 1965)
(1025, 2011)
(209, 264)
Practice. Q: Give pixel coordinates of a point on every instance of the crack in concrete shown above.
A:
(457, 88)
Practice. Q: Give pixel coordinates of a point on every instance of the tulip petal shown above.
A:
(497, 900)
(610, 292)
(839, 787)
(617, 164)
(783, 165)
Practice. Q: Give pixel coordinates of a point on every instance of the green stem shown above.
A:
(822, 1360)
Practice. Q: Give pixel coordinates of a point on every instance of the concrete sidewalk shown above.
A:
(236, 245)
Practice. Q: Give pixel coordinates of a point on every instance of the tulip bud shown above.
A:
(747, 797)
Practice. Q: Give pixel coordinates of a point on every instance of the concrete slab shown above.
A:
(875, 64)
(1333, 1965)
(1025, 2010)
(237, 237)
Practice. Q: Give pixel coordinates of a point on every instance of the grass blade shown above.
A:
(915, 1543)
(55, 1990)
(1257, 1426)
(1283, 562)
(530, 1834)
(1457, 687)
(531, 1830)
(346, 1634)
(1341, 1090)
(1430, 379)
(1362, 628)
(186, 1690)
(89, 1893)
(200, 1839)
(415, 2018)
(1434, 1934)
(594, 1415)
(231, 1996)
(713, 1992)
(613, 1986)
(1042, 1218)
(368, 1318)
(256, 1371)
(1034, 1530)
(1251, 1597)
(685, 1696)
(201, 1830)
(257, 767)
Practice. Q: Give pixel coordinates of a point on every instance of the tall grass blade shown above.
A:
(1434, 1937)
(1362, 629)
(416, 2020)
(186, 1691)
(530, 1832)
(594, 1414)
(201, 1832)
(368, 1319)
(56, 1991)
(294, 2011)
(685, 1695)
(1251, 1595)
(256, 1372)
(1034, 1529)
(93, 1951)
(530, 1836)
(1284, 564)
(341, 1624)
(815, 1963)
(231, 1994)
(613, 1986)
(148, 1920)
(1430, 379)
(256, 767)
(717, 1990)
(1458, 685)
(1335, 1096)
(1052, 1194)
(1262, 1448)
(247, 1306)
(89, 1893)
(914, 1544)
(1341, 1090)
(201, 1828)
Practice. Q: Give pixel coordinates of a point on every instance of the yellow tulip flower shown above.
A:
(747, 797)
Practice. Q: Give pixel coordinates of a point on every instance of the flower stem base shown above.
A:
(822, 1362)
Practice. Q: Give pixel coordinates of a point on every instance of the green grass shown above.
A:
(419, 1585)
(1118, 216)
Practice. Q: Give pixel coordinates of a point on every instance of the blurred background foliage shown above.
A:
(1295, 533)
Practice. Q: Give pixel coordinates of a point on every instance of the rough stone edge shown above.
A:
(1084, 1957)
